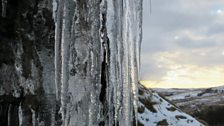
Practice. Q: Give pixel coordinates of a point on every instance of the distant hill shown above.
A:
(193, 99)
(204, 103)
(154, 110)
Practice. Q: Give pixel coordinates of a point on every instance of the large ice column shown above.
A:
(80, 61)
(99, 65)
(124, 32)
(58, 35)
(132, 39)
(114, 30)
(85, 64)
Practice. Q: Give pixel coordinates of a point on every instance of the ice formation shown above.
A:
(69, 62)
(90, 33)
(4, 5)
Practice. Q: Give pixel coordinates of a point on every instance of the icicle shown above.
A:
(20, 114)
(65, 43)
(33, 117)
(82, 86)
(4, 6)
(9, 114)
(127, 110)
(115, 87)
(150, 4)
(55, 8)
(137, 48)
(124, 56)
(132, 36)
(58, 37)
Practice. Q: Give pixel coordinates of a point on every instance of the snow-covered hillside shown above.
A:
(179, 94)
(155, 110)
(191, 100)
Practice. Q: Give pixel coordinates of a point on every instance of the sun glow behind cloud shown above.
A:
(184, 70)
(189, 77)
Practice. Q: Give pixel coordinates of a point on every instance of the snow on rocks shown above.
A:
(155, 110)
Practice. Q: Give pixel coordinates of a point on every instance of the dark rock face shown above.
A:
(26, 57)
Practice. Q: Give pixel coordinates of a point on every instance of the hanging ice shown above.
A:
(125, 41)
(99, 43)
(58, 35)
(4, 5)
(88, 77)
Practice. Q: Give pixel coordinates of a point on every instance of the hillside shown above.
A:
(206, 103)
(193, 99)
(155, 110)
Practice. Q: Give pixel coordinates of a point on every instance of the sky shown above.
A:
(183, 44)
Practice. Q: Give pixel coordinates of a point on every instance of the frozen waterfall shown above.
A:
(97, 60)
(69, 62)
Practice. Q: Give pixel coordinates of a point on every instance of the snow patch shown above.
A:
(164, 114)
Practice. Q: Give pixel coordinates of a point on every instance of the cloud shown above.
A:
(170, 18)
(189, 76)
(181, 32)
(185, 68)
(215, 29)
(187, 42)
(151, 69)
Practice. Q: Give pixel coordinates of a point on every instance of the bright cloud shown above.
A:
(183, 43)
(185, 69)
(190, 76)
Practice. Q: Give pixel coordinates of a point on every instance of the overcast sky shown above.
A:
(183, 43)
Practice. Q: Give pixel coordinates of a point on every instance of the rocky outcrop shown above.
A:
(27, 63)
